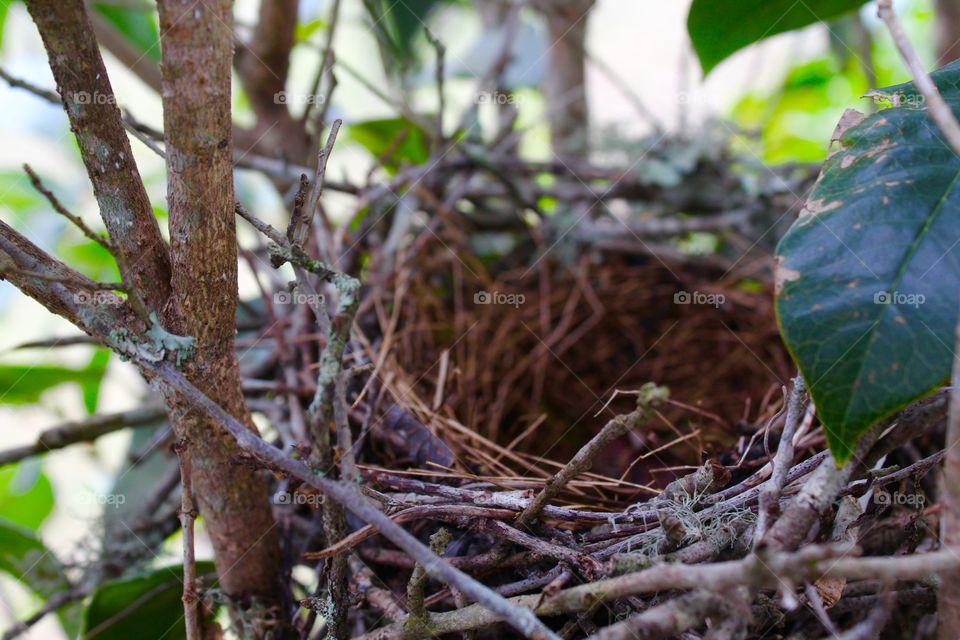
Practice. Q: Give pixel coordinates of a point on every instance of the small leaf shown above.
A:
(867, 276)
(305, 30)
(395, 141)
(91, 386)
(26, 496)
(147, 605)
(718, 28)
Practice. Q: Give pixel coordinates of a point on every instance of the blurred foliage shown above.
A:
(138, 24)
(147, 605)
(26, 495)
(794, 122)
(24, 384)
(397, 25)
(395, 141)
(25, 558)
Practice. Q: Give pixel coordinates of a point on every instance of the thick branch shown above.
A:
(95, 119)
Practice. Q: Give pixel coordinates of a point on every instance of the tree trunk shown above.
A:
(948, 31)
(197, 54)
(565, 88)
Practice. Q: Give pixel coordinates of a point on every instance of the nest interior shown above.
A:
(514, 366)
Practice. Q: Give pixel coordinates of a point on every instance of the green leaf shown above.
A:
(397, 25)
(26, 496)
(24, 384)
(137, 24)
(718, 28)
(396, 141)
(24, 557)
(90, 259)
(142, 606)
(305, 30)
(867, 276)
(18, 195)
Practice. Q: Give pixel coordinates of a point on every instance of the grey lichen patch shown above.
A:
(164, 343)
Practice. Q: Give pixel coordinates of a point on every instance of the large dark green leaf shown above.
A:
(24, 557)
(142, 606)
(869, 275)
(719, 28)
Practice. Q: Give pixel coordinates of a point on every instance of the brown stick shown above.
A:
(650, 396)
(188, 514)
(938, 110)
(948, 597)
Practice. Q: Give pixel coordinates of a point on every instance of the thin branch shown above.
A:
(259, 224)
(84, 431)
(937, 108)
(649, 397)
(770, 495)
(763, 571)
(418, 581)
(59, 208)
(299, 228)
(948, 596)
(188, 514)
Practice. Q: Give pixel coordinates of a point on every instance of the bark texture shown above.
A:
(95, 120)
(197, 55)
